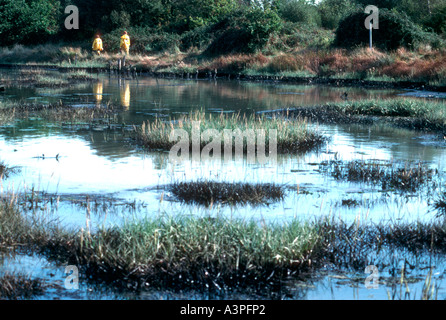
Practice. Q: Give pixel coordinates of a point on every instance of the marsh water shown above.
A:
(68, 163)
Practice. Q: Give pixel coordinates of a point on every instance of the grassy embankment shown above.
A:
(421, 65)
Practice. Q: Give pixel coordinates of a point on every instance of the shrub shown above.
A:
(332, 11)
(163, 41)
(27, 22)
(299, 35)
(208, 192)
(141, 40)
(299, 11)
(437, 22)
(198, 38)
(244, 31)
(395, 30)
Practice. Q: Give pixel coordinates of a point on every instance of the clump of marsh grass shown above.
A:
(351, 244)
(416, 237)
(405, 177)
(13, 224)
(291, 136)
(49, 81)
(392, 107)
(19, 228)
(195, 251)
(17, 286)
(350, 203)
(80, 75)
(209, 192)
(5, 170)
(41, 78)
(58, 112)
(60, 80)
(415, 114)
(407, 113)
(439, 205)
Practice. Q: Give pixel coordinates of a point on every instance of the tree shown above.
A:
(437, 21)
(189, 14)
(245, 30)
(28, 22)
(299, 11)
(395, 30)
(332, 11)
(382, 4)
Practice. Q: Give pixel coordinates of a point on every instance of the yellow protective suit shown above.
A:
(97, 45)
(125, 43)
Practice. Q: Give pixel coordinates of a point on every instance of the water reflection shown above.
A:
(169, 96)
(125, 95)
(98, 89)
(104, 163)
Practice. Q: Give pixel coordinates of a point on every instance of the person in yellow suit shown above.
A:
(97, 45)
(125, 43)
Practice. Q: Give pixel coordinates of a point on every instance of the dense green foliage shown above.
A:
(244, 31)
(332, 11)
(299, 11)
(395, 30)
(27, 21)
(220, 26)
(437, 21)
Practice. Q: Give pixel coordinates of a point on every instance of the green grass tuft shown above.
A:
(292, 136)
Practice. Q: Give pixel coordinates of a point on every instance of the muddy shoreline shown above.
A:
(207, 75)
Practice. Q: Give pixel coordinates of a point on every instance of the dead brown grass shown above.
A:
(286, 62)
(401, 64)
(237, 62)
(430, 67)
(337, 60)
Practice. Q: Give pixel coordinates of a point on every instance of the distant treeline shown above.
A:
(243, 25)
